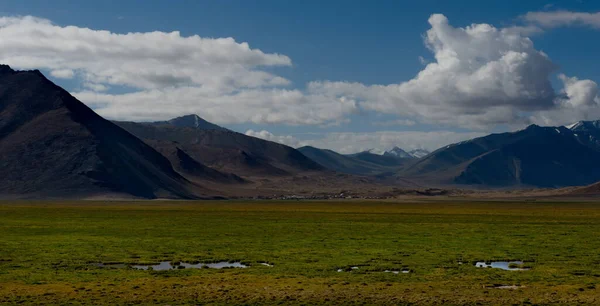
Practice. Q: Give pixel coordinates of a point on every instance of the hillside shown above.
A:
(226, 150)
(52, 145)
(536, 156)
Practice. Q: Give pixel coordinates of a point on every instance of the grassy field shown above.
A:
(47, 250)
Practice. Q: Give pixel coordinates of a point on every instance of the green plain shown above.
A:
(47, 251)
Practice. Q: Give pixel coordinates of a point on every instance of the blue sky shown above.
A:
(367, 42)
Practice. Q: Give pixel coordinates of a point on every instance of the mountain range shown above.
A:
(362, 163)
(54, 146)
(535, 156)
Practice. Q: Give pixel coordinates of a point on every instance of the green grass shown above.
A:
(46, 249)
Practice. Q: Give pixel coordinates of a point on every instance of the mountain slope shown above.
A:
(190, 168)
(364, 163)
(52, 145)
(536, 156)
(228, 151)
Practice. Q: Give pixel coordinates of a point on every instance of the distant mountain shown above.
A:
(590, 190)
(52, 145)
(398, 153)
(363, 163)
(381, 160)
(419, 153)
(190, 121)
(339, 162)
(536, 156)
(225, 150)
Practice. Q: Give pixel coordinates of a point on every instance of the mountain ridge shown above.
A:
(53, 145)
(535, 156)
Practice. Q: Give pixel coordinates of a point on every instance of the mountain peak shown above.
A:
(397, 152)
(193, 121)
(5, 69)
(418, 153)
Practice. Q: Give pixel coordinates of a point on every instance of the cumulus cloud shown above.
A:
(579, 100)
(579, 92)
(554, 19)
(347, 143)
(141, 60)
(166, 74)
(482, 76)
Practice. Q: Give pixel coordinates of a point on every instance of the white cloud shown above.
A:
(347, 143)
(63, 73)
(554, 19)
(579, 100)
(140, 60)
(167, 74)
(482, 76)
(272, 106)
(579, 92)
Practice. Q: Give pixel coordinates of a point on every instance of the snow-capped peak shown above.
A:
(573, 125)
(418, 153)
(584, 125)
(397, 152)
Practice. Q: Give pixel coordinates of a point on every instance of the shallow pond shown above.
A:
(504, 265)
(405, 271)
(166, 265)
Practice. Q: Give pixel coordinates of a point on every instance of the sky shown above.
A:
(343, 75)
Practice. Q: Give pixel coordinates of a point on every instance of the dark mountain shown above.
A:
(190, 168)
(227, 151)
(536, 156)
(52, 145)
(190, 121)
(587, 132)
(364, 163)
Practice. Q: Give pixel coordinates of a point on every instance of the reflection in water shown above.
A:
(166, 265)
(504, 265)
